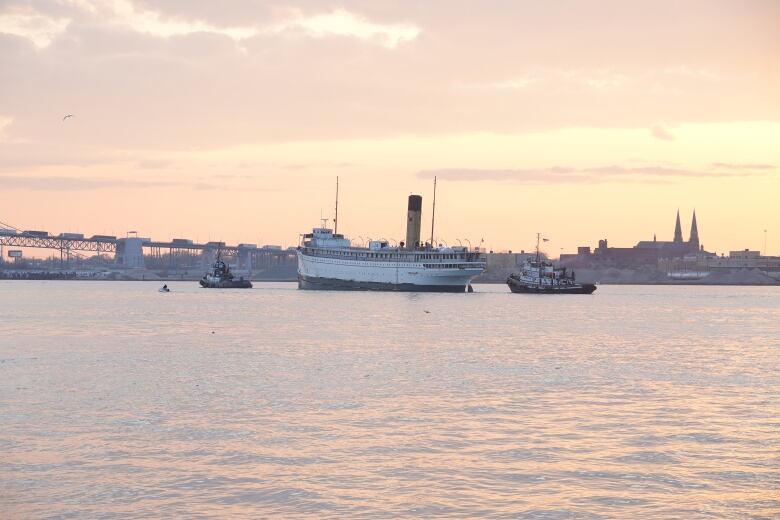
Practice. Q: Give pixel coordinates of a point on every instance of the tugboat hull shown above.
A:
(226, 284)
(525, 288)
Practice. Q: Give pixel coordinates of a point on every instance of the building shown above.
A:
(644, 253)
(744, 259)
(677, 247)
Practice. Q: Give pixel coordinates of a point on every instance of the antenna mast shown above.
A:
(538, 236)
(336, 219)
(433, 213)
(323, 220)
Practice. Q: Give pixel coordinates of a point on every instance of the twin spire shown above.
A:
(694, 237)
(678, 229)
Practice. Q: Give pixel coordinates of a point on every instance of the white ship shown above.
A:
(327, 260)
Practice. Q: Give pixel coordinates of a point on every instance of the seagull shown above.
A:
(66, 117)
(426, 312)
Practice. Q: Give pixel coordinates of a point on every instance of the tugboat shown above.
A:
(220, 277)
(541, 277)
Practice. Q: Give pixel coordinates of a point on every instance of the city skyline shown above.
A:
(583, 121)
(679, 243)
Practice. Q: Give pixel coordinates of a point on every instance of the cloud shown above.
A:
(338, 22)
(559, 79)
(559, 174)
(657, 171)
(151, 22)
(309, 166)
(659, 132)
(38, 28)
(5, 122)
(518, 83)
(153, 164)
(599, 79)
(181, 75)
(344, 23)
(41, 28)
(733, 166)
(693, 72)
(57, 183)
(20, 156)
(524, 175)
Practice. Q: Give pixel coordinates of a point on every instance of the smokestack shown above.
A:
(413, 222)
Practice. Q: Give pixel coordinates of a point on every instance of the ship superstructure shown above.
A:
(327, 260)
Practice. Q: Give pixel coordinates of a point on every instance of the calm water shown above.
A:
(636, 402)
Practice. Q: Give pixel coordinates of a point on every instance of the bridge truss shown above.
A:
(60, 244)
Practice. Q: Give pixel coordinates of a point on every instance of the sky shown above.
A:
(230, 121)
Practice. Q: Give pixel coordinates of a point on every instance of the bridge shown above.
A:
(129, 251)
(96, 244)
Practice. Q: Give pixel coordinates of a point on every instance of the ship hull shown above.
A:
(335, 284)
(330, 274)
(528, 288)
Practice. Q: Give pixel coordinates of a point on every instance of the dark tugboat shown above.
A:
(541, 277)
(220, 277)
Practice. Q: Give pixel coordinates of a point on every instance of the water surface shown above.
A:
(635, 402)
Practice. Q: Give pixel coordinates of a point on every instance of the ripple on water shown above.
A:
(525, 478)
(239, 459)
(279, 501)
(620, 479)
(702, 437)
(613, 501)
(648, 457)
(558, 514)
(525, 454)
(477, 410)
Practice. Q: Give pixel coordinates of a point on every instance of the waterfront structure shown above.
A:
(744, 259)
(327, 260)
(133, 252)
(644, 253)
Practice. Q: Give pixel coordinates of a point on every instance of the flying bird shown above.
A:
(66, 117)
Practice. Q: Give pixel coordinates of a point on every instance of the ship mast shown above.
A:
(336, 219)
(433, 213)
(538, 237)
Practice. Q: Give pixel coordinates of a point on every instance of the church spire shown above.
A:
(678, 229)
(694, 240)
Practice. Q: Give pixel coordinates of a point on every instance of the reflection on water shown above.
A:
(117, 400)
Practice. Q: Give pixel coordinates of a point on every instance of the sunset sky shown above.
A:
(231, 120)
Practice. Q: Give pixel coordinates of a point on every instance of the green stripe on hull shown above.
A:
(333, 284)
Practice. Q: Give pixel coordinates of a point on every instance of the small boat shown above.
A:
(164, 288)
(541, 277)
(220, 277)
